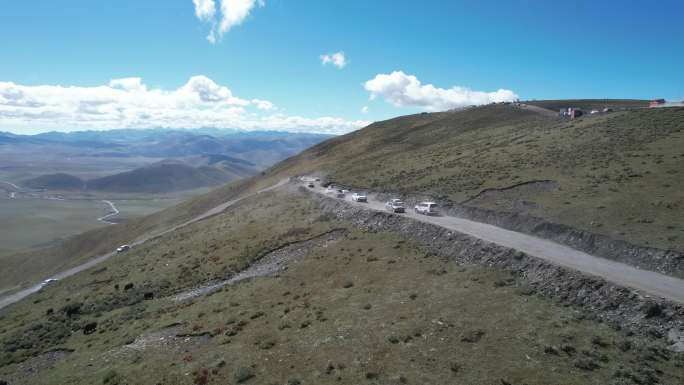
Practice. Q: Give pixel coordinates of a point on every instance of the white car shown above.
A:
(122, 248)
(426, 208)
(395, 206)
(358, 197)
(48, 281)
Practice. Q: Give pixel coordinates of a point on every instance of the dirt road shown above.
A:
(18, 296)
(112, 212)
(11, 184)
(649, 282)
(539, 110)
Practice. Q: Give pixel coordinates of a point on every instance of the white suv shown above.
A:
(426, 208)
(358, 197)
(395, 205)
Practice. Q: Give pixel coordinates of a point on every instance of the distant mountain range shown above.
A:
(260, 148)
(156, 178)
(144, 161)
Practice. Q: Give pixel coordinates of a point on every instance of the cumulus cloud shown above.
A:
(263, 104)
(128, 84)
(205, 10)
(129, 103)
(404, 90)
(233, 13)
(337, 59)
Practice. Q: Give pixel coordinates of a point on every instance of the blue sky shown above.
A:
(393, 51)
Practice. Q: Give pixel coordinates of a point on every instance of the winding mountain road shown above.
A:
(11, 184)
(18, 296)
(113, 212)
(649, 282)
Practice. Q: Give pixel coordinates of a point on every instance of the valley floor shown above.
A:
(29, 223)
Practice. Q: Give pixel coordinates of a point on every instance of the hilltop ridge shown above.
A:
(614, 174)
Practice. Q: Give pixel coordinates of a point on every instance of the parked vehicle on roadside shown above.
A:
(122, 248)
(311, 185)
(395, 206)
(426, 208)
(359, 197)
(340, 194)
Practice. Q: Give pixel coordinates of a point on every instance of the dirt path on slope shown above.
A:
(269, 264)
(539, 110)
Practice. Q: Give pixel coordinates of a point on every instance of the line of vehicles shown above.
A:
(394, 205)
(50, 281)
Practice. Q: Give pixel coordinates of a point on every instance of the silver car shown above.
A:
(122, 248)
(358, 197)
(395, 206)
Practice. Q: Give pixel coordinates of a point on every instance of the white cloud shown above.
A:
(129, 103)
(364, 109)
(263, 104)
(337, 59)
(404, 90)
(205, 10)
(233, 13)
(128, 84)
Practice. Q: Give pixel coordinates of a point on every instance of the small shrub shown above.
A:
(72, 309)
(586, 364)
(112, 378)
(90, 328)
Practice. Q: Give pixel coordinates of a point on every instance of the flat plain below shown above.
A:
(29, 223)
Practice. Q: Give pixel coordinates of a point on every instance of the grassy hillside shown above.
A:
(359, 307)
(59, 181)
(34, 265)
(617, 174)
(161, 177)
